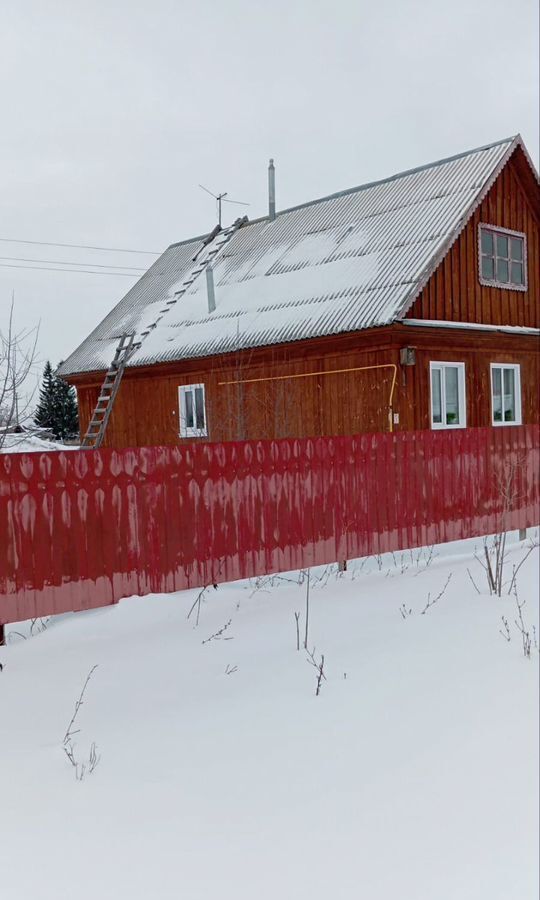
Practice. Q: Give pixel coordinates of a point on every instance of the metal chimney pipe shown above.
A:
(271, 191)
(210, 289)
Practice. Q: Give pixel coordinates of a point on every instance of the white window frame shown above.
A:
(462, 400)
(185, 430)
(492, 282)
(517, 399)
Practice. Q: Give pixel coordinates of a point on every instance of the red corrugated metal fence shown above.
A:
(83, 529)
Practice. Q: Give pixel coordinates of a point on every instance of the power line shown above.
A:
(74, 271)
(67, 262)
(80, 246)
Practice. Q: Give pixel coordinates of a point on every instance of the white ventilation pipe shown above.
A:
(271, 191)
(210, 289)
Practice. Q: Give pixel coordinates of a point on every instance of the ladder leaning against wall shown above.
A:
(109, 389)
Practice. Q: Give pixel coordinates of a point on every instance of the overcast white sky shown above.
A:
(113, 112)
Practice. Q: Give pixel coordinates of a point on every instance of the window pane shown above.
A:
(516, 273)
(488, 267)
(502, 271)
(516, 248)
(188, 396)
(487, 241)
(509, 395)
(502, 245)
(436, 410)
(199, 408)
(452, 395)
(497, 396)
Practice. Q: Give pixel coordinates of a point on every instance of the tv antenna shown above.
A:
(221, 198)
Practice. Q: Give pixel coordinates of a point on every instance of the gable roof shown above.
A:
(346, 262)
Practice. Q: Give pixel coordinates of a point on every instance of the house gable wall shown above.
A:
(454, 292)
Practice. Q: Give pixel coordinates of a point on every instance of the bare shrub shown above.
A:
(17, 361)
(526, 639)
(493, 558)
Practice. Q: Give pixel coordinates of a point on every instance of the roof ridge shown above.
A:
(397, 175)
(364, 186)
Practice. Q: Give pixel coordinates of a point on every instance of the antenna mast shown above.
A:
(220, 198)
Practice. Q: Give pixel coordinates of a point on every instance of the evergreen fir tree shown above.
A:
(57, 407)
(66, 410)
(44, 414)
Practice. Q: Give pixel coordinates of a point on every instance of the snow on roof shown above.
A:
(350, 261)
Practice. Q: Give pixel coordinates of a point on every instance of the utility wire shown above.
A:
(81, 246)
(74, 271)
(67, 262)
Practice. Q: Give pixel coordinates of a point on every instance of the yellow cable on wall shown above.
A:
(329, 372)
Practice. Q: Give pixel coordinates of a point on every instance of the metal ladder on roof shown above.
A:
(127, 345)
(109, 389)
(208, 254)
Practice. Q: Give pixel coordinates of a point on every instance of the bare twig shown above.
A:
(219, 634)
(69, 732)
(474, 584)
(297, 620)
(515, 569)
(319, 666)
(431, 602)
(307, 609)
(506, 632)
(197, 603)
(230, 670)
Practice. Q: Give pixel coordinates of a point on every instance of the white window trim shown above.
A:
(186, 431)
(517, 381)
(462, 402)
(505, 286)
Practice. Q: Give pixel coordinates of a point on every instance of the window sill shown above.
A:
(504, 286)
(436, 427)
(505, 424)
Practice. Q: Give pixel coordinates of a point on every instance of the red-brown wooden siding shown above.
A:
(146, 408)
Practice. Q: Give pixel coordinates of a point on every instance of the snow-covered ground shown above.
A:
(29, 443)
(412, 776)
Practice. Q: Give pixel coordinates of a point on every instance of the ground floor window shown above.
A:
(505, 394)
(192, 406)
(447, 395)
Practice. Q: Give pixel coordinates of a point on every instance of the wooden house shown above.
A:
(409, 303)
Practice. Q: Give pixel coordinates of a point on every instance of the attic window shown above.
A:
(502, 258)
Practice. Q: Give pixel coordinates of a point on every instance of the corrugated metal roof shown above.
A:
(347, 262)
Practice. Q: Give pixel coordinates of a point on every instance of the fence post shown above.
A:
(523, 534)
(2, 635)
